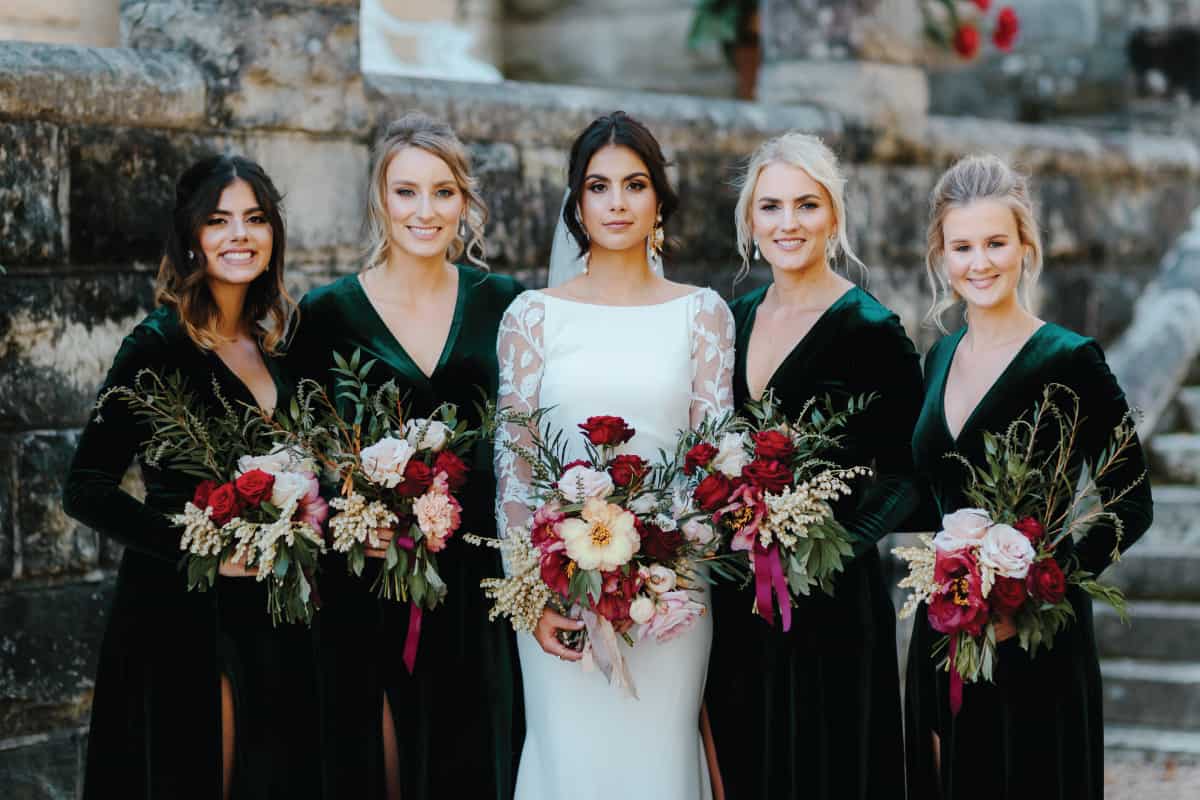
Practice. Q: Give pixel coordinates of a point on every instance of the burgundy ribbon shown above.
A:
(413, 638)
(956, 681)
(768, 576)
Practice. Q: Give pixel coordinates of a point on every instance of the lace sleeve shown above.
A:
(519, 351)
(712, 356)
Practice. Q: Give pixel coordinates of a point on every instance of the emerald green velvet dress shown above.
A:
(1038, 731)
(454, 716)
(156, 713)
(815, 713)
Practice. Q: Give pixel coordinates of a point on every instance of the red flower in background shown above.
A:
(1046, 582)
(203, 491)
(617, 595)
(966, 41)
(254, 486)
(625, 469)
(983, 5)
(1007, 595)
(417, 479)
(698, 456)
(959, 604)
(225, 503)
(455, 468)
(555, 571)
(712, 492)
(770, 476)
(606, 430)
(545, 525)
(1032, 529)
(773, 446)
(1007, 28)
(659, 545)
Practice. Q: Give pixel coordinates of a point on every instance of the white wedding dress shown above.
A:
(662, 368)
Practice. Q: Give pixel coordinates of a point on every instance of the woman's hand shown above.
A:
(385, 539)
(546, 634)
(1005, 628)
(236, 569)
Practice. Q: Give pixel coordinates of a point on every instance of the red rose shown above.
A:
(1007, 28)
(225, 503)
(254, 486)
(698, 456)
(625, 469)
(417, 479)
(203, 491)
(959, 606)
(773, 446)
(1008, 595)
(455, 468)
(607, 431)
(1046, 582)
(966, 41)
(555, 568)
(770, 476)
(659, 545)
(1032, 529)
(712, 492)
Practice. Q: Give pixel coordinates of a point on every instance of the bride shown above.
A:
(612, 336)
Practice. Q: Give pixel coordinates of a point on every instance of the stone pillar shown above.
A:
(292, 65)
(858, 57)
(447, 39)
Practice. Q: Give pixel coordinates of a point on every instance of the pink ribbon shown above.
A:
(956, 682)
(413, 638)
(768, 576)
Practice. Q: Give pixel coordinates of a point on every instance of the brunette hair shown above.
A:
(979, 177)
(617, 128)
(182, 275)
(813, 156)
(415, 129)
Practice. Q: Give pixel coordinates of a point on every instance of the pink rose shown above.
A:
(312, 508)
(964, 528)
(438, 516)
(674, 614)
(1007, 551)
(578, 483)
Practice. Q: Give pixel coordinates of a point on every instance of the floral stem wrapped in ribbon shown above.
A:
(767, 484)
(1008, 558)
(264, 510)
(603, 543)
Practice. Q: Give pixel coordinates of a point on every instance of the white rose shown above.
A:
(641, 610)
(289, 487)
(643, 505)
(436, 434)
(964, 528)
(281, 459)
(731, 455)
(1007, 551)
(697, 531)
(383, 462)
(660, 579)
(579, 483)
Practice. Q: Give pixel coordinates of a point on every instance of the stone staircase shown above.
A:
(1151, 667)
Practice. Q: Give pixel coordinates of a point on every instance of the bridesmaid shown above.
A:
(197, 695)
(448, 729)
(1038, 731)
(815, 713)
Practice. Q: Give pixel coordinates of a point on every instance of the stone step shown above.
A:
(1152, 571)
(1176, 516)
(1188, 401)
(1152, 693)
(1122, 741)
(1156, 630)
(1176, 457)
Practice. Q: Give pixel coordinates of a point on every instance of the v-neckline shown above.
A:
(451, 335)
(275, 379)
(744, 352)
(1012, 362)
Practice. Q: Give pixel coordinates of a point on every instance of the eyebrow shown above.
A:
(809, 196)
(627, 177)
(255, 210)
(403, 182)
(989, 236)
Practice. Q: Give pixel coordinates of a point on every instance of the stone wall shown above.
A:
(91, 141)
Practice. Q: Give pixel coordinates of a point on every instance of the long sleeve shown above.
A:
(309, 353)
(712, 338)
(521, 361)
(108, 445)
(1104, 406)
(884, 435)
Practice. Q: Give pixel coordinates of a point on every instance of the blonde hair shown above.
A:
(979, 177)
(813, 156)
(437, 138)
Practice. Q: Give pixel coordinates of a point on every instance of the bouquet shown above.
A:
(603, 542)
(393, 472)
(999, 558)
(257, 500)
(767, 484)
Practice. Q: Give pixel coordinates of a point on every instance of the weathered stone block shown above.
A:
(273, 65)
(100, 85)
(123, 189)
(47, 540)
(8, 471)
(57, 341)
(46, 677)
(32, 182)
(45, 767)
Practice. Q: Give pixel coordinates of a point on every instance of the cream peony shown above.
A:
(281, 459)
(579, 483)
(641, 610)
(383, 462)
(290, 487)
(660, 579)
(731, 455)
(964, 528)
(437, 434)
(1007, 551)
(604, 539)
